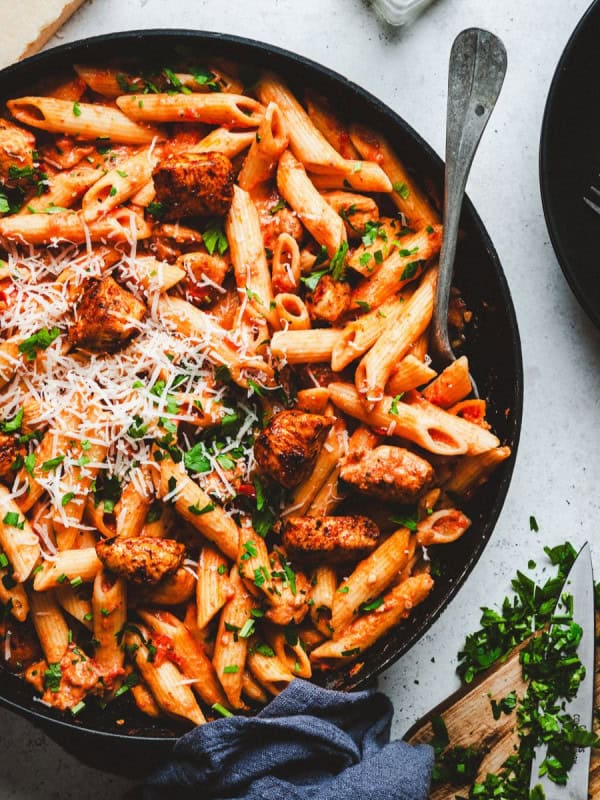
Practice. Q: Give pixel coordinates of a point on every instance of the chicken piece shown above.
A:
(288, 600)
(80, 676)
(194, 184)
(330, 300)
(106, 315)
(142, 559)
(202, 265)
(169, 241)
(330, 540)
(16, 151)
(287, 448)
(10, 450)
(389, 473)
(274, 224)
(205, 273)
(19, 644)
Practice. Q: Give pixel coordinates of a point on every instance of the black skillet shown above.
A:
(119, 738)
(570, 161)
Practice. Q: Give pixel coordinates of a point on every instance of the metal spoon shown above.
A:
(476, 73)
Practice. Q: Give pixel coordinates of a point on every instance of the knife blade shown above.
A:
(580, 585)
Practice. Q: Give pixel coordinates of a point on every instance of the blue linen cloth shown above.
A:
(307, 743)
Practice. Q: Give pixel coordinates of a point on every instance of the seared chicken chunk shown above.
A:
(10, 450)
(106, 315)
(330, 540)
(288, 593)
(389, 473)
(80, 675)
(194, 184)
(142, 559)
(273, 224)
(330, 299)
(287, 448)
(16, 151)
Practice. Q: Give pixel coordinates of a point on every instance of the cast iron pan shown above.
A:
(570, 161)
(119, 738)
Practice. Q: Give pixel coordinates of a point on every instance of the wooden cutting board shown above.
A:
(469, 721)
(28, 24)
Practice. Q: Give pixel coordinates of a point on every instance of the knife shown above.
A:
(580, 585)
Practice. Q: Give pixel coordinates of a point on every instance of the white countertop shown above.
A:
(558, 465)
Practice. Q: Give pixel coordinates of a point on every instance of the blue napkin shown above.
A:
(307, 743)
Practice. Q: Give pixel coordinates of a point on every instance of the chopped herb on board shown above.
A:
(552, 668)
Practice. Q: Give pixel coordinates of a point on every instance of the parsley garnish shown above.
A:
(401, 189)
(76, 109)
(13, 520)
(224, 712)
(214, 238)
(52, 463)
(38, 341)
(410, 270)
(337, 266)
(197, 511)
(196, 459)
(393, 409)
(13, 424)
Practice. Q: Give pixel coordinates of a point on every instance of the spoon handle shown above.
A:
(476, 73)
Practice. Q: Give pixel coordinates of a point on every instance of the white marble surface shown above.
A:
(558, 465)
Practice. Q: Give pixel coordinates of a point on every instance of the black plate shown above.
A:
(493, 348)
(570, 161)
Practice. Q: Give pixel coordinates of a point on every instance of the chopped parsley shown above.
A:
(278, 207)
(393, 409)
(224, 712)
(76, 109)
(40, 340)
(197, 511)
(13, 520)
(410, 270)
(52, 677)
(401, 189)
(204, 77)
(214, 238)
(264, 650)
(156, 209)
(372, 605)
(533, 525)
(552, 668)
(52, 463)
(13, 424)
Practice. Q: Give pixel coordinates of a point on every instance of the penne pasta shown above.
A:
(85, 120)
(304, 346)
(408, 198)
(231, 649)
(394, 343)
(213, 589)
(233, 110)
(366, 630)
(269, 143)
(195, 506)
(18, 541)
(109, 609)
(118, 185)
(316, 215)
